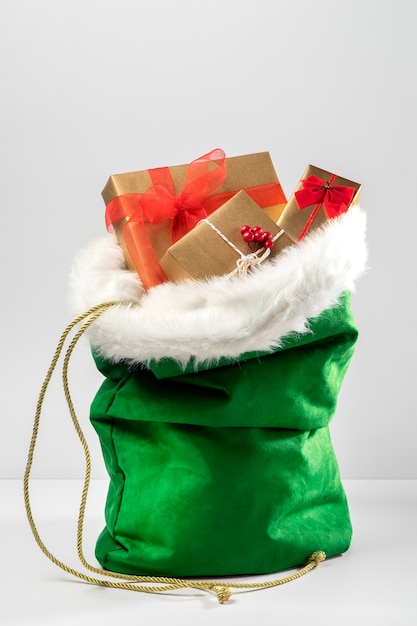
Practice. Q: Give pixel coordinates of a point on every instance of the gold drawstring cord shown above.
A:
(147, 584)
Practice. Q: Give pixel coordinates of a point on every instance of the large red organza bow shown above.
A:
(160, 203)
(335, 199)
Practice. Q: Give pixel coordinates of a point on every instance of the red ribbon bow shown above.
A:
(335, 199)
(160, 203)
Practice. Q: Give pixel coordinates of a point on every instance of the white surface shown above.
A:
(373, 584)
(96, 87)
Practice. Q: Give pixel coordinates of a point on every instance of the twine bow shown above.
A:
(245, 262)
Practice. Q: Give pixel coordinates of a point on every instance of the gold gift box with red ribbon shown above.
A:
(152, 209)
(320, 195)
(216, 246)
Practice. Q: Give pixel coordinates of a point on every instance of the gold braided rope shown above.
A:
(147, 584)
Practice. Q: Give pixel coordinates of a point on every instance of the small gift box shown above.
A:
(231, 240)
(152, 209)
(320, 195)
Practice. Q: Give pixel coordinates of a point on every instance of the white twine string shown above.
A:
(246, 261)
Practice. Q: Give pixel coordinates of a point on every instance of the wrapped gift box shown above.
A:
(150, 210)
(320, 195)
(216, 245)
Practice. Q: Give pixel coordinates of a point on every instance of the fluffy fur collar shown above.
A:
(219, 317)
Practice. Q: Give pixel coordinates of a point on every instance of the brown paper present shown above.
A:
(320, 195)
(216, 246)
(146, 233)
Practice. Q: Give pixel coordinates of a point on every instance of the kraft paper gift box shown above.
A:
(152, 209)
(320, 195)
(215, 246)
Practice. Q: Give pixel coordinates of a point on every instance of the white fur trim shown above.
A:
(218, 317)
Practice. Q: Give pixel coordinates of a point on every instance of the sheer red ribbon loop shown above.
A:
(335, 199)
(160, 203)
(187, 208)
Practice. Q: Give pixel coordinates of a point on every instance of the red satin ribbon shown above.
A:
(335, 199)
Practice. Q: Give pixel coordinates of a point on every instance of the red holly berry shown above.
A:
(256, 237)
(248, 236)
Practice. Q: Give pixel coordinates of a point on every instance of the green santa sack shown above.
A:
(229, 470)
(214, 414)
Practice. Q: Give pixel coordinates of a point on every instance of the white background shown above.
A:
(91, 88)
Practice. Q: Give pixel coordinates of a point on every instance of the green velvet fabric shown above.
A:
(229, 470)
